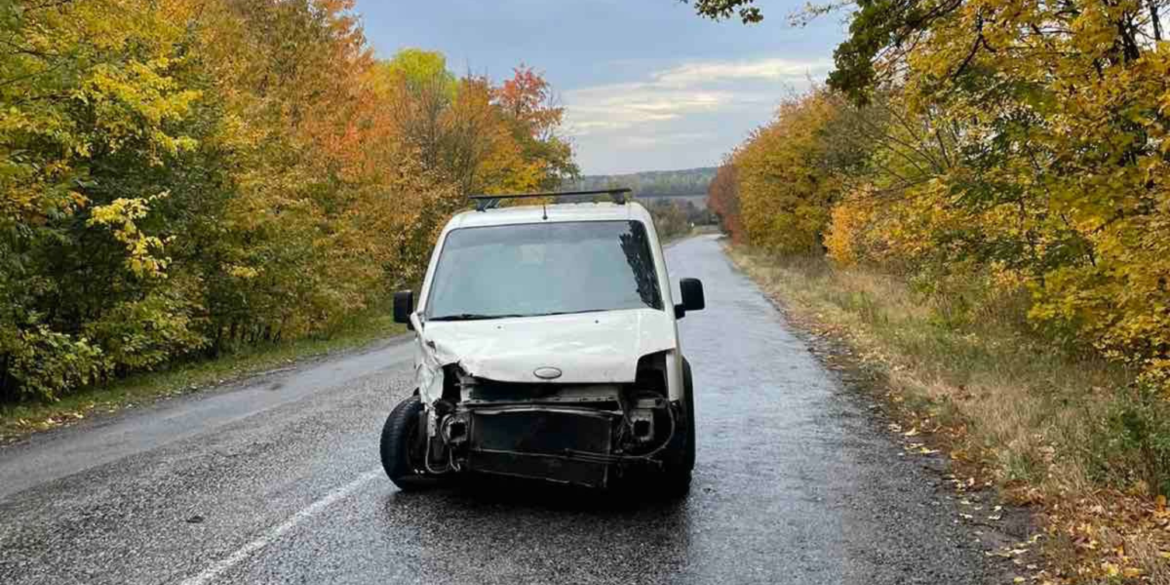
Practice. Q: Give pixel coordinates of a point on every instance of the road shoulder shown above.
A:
(1007, 533)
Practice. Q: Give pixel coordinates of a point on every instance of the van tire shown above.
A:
(688, 458)
(676, 481)
(399, 449)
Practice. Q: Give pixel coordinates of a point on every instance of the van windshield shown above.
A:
(527, 270)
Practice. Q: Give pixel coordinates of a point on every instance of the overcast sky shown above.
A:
(647, 85)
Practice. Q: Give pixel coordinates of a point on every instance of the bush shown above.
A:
(141, 335)
(1134, 442)
(42, 364)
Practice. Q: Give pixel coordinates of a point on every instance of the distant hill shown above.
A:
(651, 183)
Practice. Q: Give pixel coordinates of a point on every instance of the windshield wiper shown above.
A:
(572, 312)
(470, 317)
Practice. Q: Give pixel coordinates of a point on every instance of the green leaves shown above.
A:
(723, 9)
(421, 69)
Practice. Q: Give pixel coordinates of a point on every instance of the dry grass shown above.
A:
(1046, 427)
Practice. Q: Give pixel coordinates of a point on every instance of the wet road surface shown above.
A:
(278, 481)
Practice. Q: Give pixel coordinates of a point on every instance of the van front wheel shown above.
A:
(403, 449)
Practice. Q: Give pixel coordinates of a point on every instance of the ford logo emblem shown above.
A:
(547, 373)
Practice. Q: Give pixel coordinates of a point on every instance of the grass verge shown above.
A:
(20, 420)
(1070, 436)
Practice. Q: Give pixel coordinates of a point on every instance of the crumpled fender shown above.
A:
(428, 368)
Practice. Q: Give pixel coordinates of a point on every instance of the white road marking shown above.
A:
(211, 573)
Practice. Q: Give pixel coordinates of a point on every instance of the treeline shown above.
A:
(180, 177)
(650, 183)
(676, 217)
(1008, 152)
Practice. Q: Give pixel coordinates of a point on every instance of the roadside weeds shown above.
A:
(18, 421)
(1007, 412)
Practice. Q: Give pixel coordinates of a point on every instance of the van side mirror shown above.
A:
(403, 307)
(692, 297)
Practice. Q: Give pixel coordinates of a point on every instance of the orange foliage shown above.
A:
(230, 172)
(723, 198)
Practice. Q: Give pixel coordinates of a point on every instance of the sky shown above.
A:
(646, 84)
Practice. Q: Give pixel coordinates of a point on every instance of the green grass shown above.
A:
(20, 420)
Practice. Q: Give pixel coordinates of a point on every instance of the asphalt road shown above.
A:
(278, 481)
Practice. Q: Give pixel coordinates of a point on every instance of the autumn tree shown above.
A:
(530, 105)
(1025, 138)
(723, 199)
(178, 178)
(1063, 138)
(790, 172)
(93, 108)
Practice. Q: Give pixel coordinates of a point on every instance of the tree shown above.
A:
(529, 103)
(86, 100)
(1020, 137)
(723, 199)
(181, 177)
(721, 9)
(791, 172)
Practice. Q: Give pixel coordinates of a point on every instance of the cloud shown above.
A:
(636, 142)
(689, 89)
(691, 74)
(616, 107)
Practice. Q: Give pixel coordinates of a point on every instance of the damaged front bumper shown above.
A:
(572, 446)
(580, 446)
(578, 432)
(587, 435)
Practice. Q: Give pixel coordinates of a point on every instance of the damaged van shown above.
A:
(547, 349)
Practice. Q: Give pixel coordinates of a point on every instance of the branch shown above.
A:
(49, 5)
(979, 41)
(1155, 20)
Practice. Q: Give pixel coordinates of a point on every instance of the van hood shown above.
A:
(599, 347)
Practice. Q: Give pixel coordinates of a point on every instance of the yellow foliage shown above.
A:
(1016, 139)
(785, 188)
(301, 179)
(846, 229)
(120, 215)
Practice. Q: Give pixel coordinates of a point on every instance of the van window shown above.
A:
(527, 270)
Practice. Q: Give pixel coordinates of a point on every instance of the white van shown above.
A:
(547, 349)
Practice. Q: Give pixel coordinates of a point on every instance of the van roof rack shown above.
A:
(486, 202)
